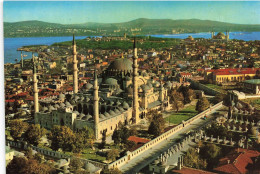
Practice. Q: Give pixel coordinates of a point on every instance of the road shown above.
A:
(139, 162)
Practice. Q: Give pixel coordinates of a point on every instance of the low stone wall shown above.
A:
(51, 153)
(130, 155)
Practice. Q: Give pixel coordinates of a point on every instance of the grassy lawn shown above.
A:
(216, 87)
(185, 114)
(255, 102)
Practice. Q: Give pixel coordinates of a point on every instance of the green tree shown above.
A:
(210, 151)
(84, 138)
(16, 165)
(112, 154)
(176, 99)
(75, 164)
(202, 104)
(192, 159)
(187, 94)
(218, 130)
(34, 134)
(111, 171)
(62, 137)
(17, 128)
(157, 125)
(20, 165)
(218, 98)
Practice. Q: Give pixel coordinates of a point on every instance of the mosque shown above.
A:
(220, 36)
(121, 93)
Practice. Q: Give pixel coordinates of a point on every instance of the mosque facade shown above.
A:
(121, 93)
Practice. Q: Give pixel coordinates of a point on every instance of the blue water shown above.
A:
(246, 36)
(11, 44)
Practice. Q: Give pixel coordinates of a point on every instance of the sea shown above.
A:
(12, 44)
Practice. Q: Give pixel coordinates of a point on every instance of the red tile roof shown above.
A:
(237, 161)
(234, 71)
(186, 170)
(138, 140)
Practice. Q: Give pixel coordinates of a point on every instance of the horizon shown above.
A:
(127, 21)
(123, 11)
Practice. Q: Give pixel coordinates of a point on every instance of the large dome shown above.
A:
(123, 65)
(220, 35)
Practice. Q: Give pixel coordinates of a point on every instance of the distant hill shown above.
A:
(138, 26)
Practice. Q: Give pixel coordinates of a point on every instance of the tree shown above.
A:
(210, 151)
(111, 171)
(20, 165)
(16, 165)
(192, 159)
(218, 130)
(116, 136)
(187, 94)
(122, 133)
(218, 98)
(130, 145)
(112, 154)
(17, 128)
(84, 138)
(62, 137)
(75, 164)
(34, 133)
(177, 99)
(103, 140)
(202, 104)
(157, 125)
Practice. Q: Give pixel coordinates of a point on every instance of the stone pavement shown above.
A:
(139, 162)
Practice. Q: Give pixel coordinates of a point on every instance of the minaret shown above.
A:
(227, 35)
(135, 85)
(22, 59)
(212, 35)
(75, 68)
(161, 95)
(96, 104)
(35, 88)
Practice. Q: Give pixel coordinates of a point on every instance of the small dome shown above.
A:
(61, 96)
(67, 104)
(117, 111)
(102, 116)
(90, 167)
(112, 113)
(89, 86)
(125, 105)
(56, 105)
(111, 81)
(121, 65)
(107, 114)
(62, 105)
(89, 117)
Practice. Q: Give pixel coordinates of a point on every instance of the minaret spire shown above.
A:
(75, 68)
(35, 88)
(135, 85)
(96, 103)
(22, 59)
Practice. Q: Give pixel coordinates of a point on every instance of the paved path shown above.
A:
(139, 162)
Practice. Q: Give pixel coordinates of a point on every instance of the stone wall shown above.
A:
(130, 155)
(51, 153)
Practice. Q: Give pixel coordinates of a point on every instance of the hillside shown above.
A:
(138, 26)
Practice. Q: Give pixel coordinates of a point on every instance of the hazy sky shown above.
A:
(241, 12)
